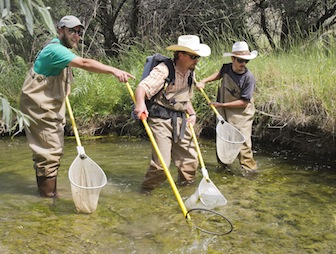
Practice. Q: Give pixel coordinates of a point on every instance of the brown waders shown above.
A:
(183, 153)
(241, 118)
(42, 98)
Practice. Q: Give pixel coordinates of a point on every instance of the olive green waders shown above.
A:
(183, 153)
(42, 98)
(241, 118)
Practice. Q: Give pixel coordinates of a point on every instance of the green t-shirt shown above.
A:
(53, 58)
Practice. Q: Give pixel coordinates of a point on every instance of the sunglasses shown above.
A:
(240, 60)
(73, 31)
(193, 57)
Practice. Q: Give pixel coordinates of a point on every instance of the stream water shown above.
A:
(290, 207)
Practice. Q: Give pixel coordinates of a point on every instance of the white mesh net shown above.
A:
(87, 179)
(206, 196)
(228, 142)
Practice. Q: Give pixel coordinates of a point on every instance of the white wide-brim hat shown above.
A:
(190, 44)
(241, 50)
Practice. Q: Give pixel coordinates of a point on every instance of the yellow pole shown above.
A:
(200, 157)
(208, 100)
(74, 127)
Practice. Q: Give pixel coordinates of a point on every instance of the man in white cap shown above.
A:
(167, 114)
(43, 95)
(235, 98)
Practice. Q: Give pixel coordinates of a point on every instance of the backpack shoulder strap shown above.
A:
(191, 78)
(154, 60)
(171, 68)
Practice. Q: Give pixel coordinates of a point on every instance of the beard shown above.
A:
(67, 42)
(192, 67)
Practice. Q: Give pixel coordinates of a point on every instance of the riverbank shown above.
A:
(305, 141)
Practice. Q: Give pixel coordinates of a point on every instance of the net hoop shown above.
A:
(207, 231)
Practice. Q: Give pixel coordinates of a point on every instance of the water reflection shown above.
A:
(289, 208)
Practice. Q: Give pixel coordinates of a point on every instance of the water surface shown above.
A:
(289, 207)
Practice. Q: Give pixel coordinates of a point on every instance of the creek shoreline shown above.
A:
(305, 141)
(310, 142)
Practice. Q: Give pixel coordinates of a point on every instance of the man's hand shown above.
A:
(216, 104)
(192, 119)
(123, 76)
(200, 85)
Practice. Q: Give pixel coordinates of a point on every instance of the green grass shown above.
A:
(296, 87)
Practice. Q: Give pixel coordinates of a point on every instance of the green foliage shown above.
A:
(298, 87)
(28, 8)
(12, 27)
(11, 81)
(96, 97)
(9, 123)
(12, 77)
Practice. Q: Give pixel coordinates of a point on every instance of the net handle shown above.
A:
(80, 148)
(200, 157)
(219, 117)
(72, 118)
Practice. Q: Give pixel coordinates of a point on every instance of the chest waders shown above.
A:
(172, 105)
(42, 98)
(241, 118)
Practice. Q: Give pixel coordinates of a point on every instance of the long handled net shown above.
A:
(204, 199)
(207, 195)
(86, 177)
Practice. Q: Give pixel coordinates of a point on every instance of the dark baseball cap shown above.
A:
(69, 22)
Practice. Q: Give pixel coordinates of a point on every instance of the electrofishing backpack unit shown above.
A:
(154, 60)
(151, 62)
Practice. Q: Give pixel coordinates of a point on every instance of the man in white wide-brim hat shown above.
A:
(170, 101)
(235, 98)
(241, 50)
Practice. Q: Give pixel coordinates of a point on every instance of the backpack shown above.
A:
(151, 62)
(154, 60)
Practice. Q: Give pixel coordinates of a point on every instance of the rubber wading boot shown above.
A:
(47, 186)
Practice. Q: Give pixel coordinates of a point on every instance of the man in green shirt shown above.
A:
(43, 94)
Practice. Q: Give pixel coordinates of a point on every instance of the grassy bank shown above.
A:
(296, 96)
(295, 92)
